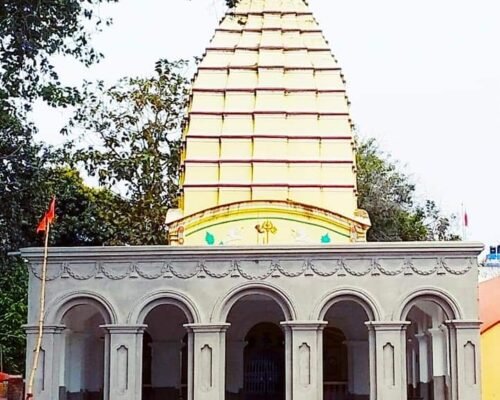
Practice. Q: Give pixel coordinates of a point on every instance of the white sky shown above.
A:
(423, 78)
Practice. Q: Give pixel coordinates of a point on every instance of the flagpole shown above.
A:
(29, 394)
(462, 221)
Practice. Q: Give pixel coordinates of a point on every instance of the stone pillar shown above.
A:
(208, 352)
(190, 366)
(465, 359)
(304, 347)
(423, 372)
(124, 362)
(412, 367)
(46, 385)
(390, 353)
(372, 348)
(440, 381)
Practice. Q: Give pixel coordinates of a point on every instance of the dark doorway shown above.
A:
(264, 363)
(164, 355)
(148, 391)
(335, 376)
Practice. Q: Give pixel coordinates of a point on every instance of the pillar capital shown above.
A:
(464, 323)
(124, 329)
(304, 325)
(388, 326)
(207, 328)
(437, 332)
(47, 329)
(422, 336)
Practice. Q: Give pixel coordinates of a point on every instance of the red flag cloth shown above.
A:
(48, 217)
(466, 219)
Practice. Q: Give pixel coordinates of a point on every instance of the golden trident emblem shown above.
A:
(266, 228)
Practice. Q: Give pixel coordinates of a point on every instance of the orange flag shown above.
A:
(48, 217)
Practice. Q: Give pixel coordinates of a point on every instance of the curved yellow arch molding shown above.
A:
(266, 222)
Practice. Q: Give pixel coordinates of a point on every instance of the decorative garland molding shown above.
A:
(255, 269)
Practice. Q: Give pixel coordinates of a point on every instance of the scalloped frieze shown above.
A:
(54, 270)
(257, 269)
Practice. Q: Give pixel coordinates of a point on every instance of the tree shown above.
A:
(14, 310)
(31, 33)
(388, 195)
(135, 126)
(82, 216)
(80, 221)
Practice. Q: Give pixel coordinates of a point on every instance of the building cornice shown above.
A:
(358, 250)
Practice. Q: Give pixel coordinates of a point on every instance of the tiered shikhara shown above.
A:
(269, 153)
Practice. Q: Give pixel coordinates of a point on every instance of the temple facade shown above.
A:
(267, 288)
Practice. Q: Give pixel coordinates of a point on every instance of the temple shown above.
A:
(266, 287)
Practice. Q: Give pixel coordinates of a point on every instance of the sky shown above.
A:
(423, 78)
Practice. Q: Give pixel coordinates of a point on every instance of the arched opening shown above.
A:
(255, 350)
(263, 362)
(84, 344)
(427, 355)
(164, 356)
(346, 367)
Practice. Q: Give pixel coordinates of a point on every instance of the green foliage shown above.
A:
(13, 306)
(135, 127)
(31, 31)
(389, 197)
(439, 226)
(80, 221)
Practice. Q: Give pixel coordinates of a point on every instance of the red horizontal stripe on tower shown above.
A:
(276, 12)
(268, 29)
(258, 48)
(267, 136)
(250, 185)
(266, 89)
(274, 112)
(257, 67)
(266, 161)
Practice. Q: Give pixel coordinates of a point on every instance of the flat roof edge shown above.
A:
(381, 249)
